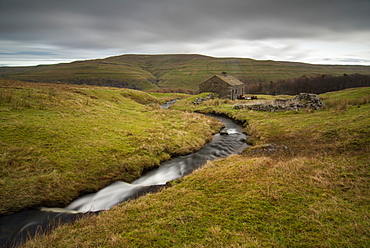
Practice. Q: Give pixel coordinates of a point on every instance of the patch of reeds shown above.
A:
(343, 104)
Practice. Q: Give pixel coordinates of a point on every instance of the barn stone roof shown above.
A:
(229, 79)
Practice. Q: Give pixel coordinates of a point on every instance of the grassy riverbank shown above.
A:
(60, 141)
(305, 183)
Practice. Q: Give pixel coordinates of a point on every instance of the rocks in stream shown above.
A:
(300, 101)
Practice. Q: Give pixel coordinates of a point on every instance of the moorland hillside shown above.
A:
(171, 71)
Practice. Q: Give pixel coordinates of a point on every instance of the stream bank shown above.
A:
(17, 228)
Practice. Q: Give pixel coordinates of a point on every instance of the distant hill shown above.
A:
(150, 72)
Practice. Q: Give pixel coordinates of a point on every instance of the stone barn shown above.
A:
(224, 86)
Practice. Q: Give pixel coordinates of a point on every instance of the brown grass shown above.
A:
(304, 184)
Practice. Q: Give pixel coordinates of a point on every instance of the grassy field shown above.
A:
(60, 141)
(304, 183)
(148, 72)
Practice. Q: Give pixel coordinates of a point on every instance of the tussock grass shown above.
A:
(60, 141)
(305, 183)
(239, 201)
(344, 99)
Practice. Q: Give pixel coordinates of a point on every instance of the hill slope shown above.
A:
(148, 72)
(304, 184)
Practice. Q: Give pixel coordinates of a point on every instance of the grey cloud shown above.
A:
(258, 19)
(27, 53)
(137, 25)
(348, 60)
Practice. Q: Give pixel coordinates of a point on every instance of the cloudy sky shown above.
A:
(314, 31)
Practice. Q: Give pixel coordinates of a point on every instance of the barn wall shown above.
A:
(223, 89)
(236, 91)
(215, 85)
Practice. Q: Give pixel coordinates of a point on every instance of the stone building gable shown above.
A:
(224, 85)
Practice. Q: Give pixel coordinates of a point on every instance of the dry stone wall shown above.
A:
(301, 101)
(199, 100)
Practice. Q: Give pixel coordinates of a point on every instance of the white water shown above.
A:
(117, 192)
(104, 199)
(18, 227)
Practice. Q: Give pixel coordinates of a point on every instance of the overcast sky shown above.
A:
(314, 31)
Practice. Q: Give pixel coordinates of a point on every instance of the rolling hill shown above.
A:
(150, 72)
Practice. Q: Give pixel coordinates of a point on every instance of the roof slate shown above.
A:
(229, 80)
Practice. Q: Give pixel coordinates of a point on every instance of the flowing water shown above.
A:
(16, 228)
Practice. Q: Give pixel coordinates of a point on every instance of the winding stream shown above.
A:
(16, 228)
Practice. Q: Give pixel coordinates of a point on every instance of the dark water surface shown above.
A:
(16, 228)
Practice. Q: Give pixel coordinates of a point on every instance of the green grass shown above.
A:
(166, 97)
(148, 72)
(343, 99)
(305, 183)
(60, 141)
